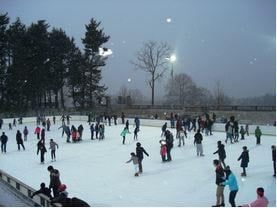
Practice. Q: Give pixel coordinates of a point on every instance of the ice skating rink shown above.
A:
(96, 170)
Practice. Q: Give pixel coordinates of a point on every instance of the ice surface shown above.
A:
(96, 170)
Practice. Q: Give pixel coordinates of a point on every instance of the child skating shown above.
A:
(134, 158)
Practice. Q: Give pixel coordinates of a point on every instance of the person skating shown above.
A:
(80, 130)
(54, 120)
(163, 150)
(219, 172)
(198, 138)
(236, 131)
(68, 133)
(137, 122)
(244, 157)
(92, 131)
(169, 144)
(25, 133)
(242, 132)
(101, 131)
(1, 123)
(178, 128)
(42, 149)
(123, 134)
(229, 132)
(115, 119)
(53, 146)
(4, 140)
(19, 140)
(164, 127)
(258, 134)
(127, 125)
(139, 152)
(221, 152)
(42, 135)
(273, 149)
(96, 130)
(48, 124)
(135, 160)
(247, 129)
(14, 122)
(37, 132)
(181, 137)
(122, 118)
(55, 181)
(136, 133)
(261, 200)
(68, 117)
(231, 181)
(43, 190)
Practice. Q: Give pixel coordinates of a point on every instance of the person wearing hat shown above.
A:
(139, 152)
(261, 200)
(55, 181)
(231, 181)
(244, 157)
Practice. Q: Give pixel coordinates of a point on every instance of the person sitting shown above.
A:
(43, 190)
(261, 200)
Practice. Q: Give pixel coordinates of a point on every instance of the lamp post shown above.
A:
(172, 59)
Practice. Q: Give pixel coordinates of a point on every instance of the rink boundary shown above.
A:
(217, 127)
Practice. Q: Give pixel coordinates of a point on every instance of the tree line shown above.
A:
(38, 66)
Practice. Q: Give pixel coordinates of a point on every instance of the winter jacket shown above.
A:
(140, 151)
(259, 202)
(242, 131)
(19, 138)
(46, 191)
(221, 152)
(25, 131)
(219, 172)
(169, 140)
(74, 135)
(198, 138)
(232, 182)
(164, 127)
(163, 150)
(41, 147)
(53, 145)
(178, 125)
(244, 157)
(124, 132)
(258, 132)
(4, 139)
(37, 130)
(134, 159)
(54, 179)
(274, 155)
(80, 128)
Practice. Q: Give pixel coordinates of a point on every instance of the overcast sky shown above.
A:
(228, 40)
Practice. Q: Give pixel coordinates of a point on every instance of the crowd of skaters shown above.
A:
(182, 126)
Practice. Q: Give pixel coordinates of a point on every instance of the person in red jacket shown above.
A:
(37, 132)
(163, 150)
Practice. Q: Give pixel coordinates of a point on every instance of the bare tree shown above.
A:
(219, 94)
(135, 94)
(152, 59)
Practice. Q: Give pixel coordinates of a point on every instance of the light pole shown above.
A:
(172, 59)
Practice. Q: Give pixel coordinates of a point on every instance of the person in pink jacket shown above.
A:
(261, 200)
(37, 132)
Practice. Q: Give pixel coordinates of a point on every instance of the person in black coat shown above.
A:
(169, 144)
(42, 149)
(43, 190)
(273, 148)
(221, 153)
(80, 130)
(218, 181)
(244, 157)
(164, 129)
(139, 152)
(4, 140)
(19, 140)
(55, 181)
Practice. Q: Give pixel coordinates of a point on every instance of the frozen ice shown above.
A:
(96, 172)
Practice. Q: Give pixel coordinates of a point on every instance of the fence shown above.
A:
(26, 191)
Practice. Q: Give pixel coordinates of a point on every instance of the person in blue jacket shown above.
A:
(231, 181)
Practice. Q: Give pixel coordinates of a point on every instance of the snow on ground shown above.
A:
(96, 170)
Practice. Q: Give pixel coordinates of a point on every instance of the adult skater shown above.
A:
(52, 147)
(25, 133)
(96, 130)
(137, 122)
(43, 190)
(1, 123)
(115, 119)
(198, 138)
(48, 124)
(247, 129)
(42, 135)
(229, 131)
(258, 134)
(19, 140)
(164, 129)
(122, 118)
(54, 120)
(140, 151)
(273, 149)
(127, 125)
(42, 149)
(181, 137)
(92, 131)
(261, 200)
(231, 181)
(55, 181)
(221, 153)
(37, 132)
(236, 131)
(135, 160)
(123, 134)
(219, 172)
(68, 117)
(244, 157)
(80, 130)
(68, 133)
(4, 140)
(63, 119)
(169, 144)
(136, 133)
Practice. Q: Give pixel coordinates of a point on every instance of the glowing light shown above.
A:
(129, 80)
(172, 58)
(168, 20)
